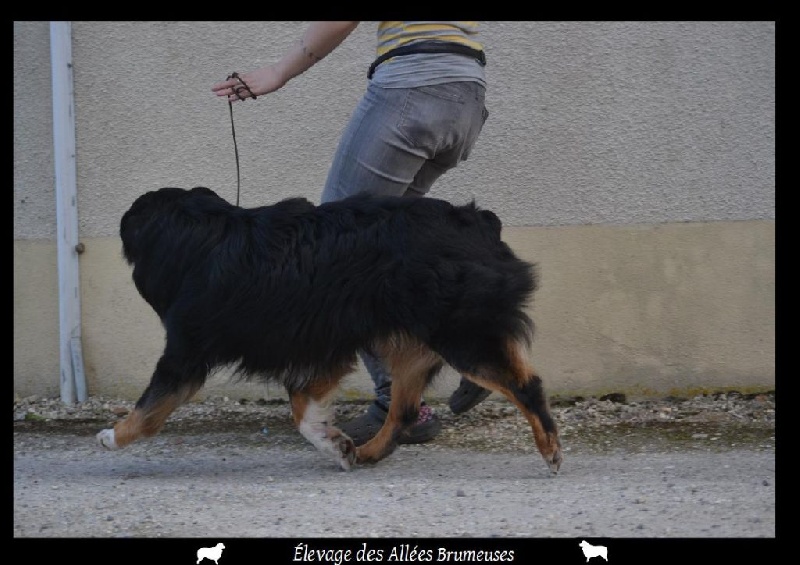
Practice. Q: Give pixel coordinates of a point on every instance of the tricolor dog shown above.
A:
(291, 292)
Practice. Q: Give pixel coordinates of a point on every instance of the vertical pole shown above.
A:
(71, 363)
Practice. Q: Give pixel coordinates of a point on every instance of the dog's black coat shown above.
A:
(292, 290)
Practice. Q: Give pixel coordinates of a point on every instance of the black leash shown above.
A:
(236, 151)
(237, 90)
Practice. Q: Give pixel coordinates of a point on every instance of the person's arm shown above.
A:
(319, 39)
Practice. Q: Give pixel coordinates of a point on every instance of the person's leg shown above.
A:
(397, 143)
(468, 394)
(380, 378)
(371, 158)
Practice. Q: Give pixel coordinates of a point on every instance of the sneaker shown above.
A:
(424, 429)
(467, 396)
(363, 428)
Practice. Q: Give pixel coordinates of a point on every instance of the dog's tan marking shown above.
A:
(409, 362)
(547, 442)
(522, 375)
(145, 421)
(518, 361)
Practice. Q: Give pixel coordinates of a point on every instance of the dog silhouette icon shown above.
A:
(590, 550)
(210, 553)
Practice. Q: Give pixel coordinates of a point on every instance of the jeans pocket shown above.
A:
(447, 91)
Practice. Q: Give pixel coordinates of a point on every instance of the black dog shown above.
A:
(291, 292)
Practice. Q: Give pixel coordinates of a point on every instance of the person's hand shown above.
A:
(262, 81)
(317, 42)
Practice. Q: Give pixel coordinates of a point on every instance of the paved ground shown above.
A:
(254, 476)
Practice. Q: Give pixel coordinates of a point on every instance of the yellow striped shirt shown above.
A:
(395, 34)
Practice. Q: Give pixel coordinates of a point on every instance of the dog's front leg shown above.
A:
(169, 388)
(314, 414)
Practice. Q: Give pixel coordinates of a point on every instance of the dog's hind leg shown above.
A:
(519, 383)
(412, 366)
(169, 388)
(313, 412)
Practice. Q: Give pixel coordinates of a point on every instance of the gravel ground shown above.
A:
(483, 423)
(669, 467)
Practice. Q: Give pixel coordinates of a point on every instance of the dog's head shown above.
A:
(150, 210)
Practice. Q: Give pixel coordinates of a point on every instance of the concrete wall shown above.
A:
(633, 161)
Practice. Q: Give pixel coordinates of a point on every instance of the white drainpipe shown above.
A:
(73, 381)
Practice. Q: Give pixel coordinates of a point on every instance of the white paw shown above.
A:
(106, 439)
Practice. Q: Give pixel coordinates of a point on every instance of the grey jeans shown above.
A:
(398, 142)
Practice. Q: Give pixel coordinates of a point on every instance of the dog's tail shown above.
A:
(485, 292)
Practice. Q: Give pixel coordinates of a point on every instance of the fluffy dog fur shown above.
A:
(291, 292)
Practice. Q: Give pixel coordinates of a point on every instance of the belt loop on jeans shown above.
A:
(429, 47)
